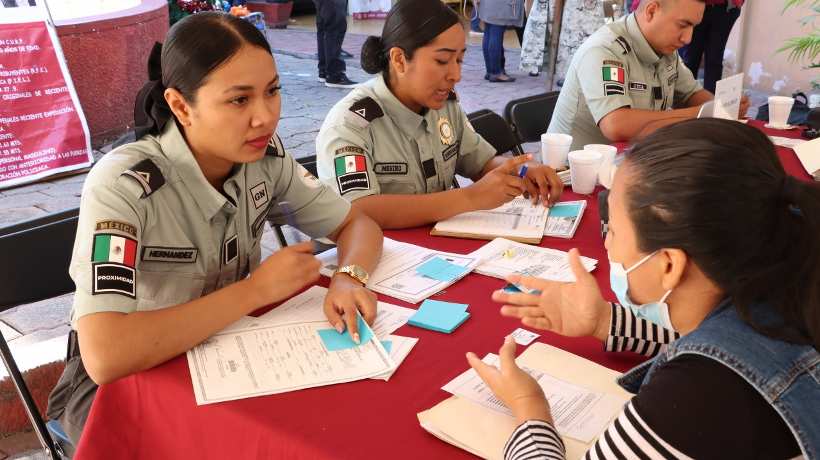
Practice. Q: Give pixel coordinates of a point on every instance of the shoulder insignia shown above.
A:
(148, 175)
(452, 96)
(275, 147)
(624, 44)
(368, 109)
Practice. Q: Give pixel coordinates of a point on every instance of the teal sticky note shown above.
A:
(565, 210)
(511, 288)
(334, 341)
(388, 345)
(440, 269)
(462, 307)
(438, 319)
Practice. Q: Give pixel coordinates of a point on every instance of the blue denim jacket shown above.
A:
(786, 375)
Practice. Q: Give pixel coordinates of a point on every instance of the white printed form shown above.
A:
(396, 273)
(516, 218)
(579, 413)
(271, 358)
(501, 258)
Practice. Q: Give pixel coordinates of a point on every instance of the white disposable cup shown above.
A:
(779, 109)
(814, 101)
(583, 169)
(608, 153)
(554, 149)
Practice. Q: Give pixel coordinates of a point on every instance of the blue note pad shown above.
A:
(565, 210)
(440, 269)
(511, 288)
(388, 345)
(462, 307)
(438, 319)
(334, 341)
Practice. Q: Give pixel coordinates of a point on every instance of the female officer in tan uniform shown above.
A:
(393, 145)
(168, 243)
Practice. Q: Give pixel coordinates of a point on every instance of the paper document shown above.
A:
(518, 220)
(728, 93)
(578, 412)
(788, 142)
(399, 349)
(524, 337)
(564, 218)
(501, 258)
(396, 274)
(809, 155)
(277, 358)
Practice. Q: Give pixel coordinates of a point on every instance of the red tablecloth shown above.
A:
(153, 414)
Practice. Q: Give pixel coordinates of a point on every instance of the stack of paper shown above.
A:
(397, 274)
(501, 258)
(564, 218)
(440, 316)
(788, 142)
(477, 422)
(518, 220)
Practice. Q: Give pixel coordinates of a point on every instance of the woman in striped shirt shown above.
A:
(710, 239)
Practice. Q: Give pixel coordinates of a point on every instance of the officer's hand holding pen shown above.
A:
(542, 183)
(499, 185)
(285, 272)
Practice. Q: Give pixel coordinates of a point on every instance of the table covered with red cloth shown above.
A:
(153, 414)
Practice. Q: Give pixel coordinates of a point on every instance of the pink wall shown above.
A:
(107, 58)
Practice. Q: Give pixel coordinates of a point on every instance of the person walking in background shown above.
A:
(709, 39)
(331, 27)
(536, 37)
(498, 15)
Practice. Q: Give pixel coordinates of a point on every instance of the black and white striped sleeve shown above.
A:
(629, 436)
(627, 332)
(534, 439)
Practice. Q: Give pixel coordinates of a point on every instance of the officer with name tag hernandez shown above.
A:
(394, 144)
(168, 248)
(627, 79)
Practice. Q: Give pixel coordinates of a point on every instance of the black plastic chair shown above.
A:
(36, 256)
(529, 117)
(496, 131)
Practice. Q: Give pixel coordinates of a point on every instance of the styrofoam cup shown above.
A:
(779, 109)
(583, 169)
(608, 153)
(554, 149)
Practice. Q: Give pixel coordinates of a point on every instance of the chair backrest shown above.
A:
(36, 255)
(496, 131)
(529, 117)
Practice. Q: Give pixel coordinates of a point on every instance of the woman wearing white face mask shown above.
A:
(722, 246)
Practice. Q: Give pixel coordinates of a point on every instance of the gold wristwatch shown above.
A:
(356, 272)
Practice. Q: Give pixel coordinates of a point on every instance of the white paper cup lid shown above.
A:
(584, 156)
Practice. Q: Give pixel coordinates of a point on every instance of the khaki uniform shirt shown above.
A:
(616, 67)
(154, 233)
(371, 143)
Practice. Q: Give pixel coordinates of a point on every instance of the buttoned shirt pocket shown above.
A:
(397, 185)
(160, 288)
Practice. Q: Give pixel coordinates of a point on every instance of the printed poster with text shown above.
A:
(42, 127)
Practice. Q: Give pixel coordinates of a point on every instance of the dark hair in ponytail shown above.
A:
(409, 25)
(193, 48)
(716, 189)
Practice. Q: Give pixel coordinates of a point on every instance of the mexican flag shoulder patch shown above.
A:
(347, 164)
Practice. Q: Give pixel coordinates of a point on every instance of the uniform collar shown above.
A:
(408, 121)
(176, 150)
(642, 47)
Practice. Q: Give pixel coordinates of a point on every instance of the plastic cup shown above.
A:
(554, 149)
(608, 153)
(583, 169)
(779, 109)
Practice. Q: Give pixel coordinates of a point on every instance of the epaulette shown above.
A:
(148, 175)
(624, 44)
(368, 109)
(275, 148)
(452, 96)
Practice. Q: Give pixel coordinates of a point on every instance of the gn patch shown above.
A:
(259, 194)
(113, 279)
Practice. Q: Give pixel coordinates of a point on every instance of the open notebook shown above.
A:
(517, 220)
(484, 432)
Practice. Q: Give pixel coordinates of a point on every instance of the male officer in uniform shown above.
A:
(627, 80)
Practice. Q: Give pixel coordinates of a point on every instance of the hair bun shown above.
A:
(374, 58)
